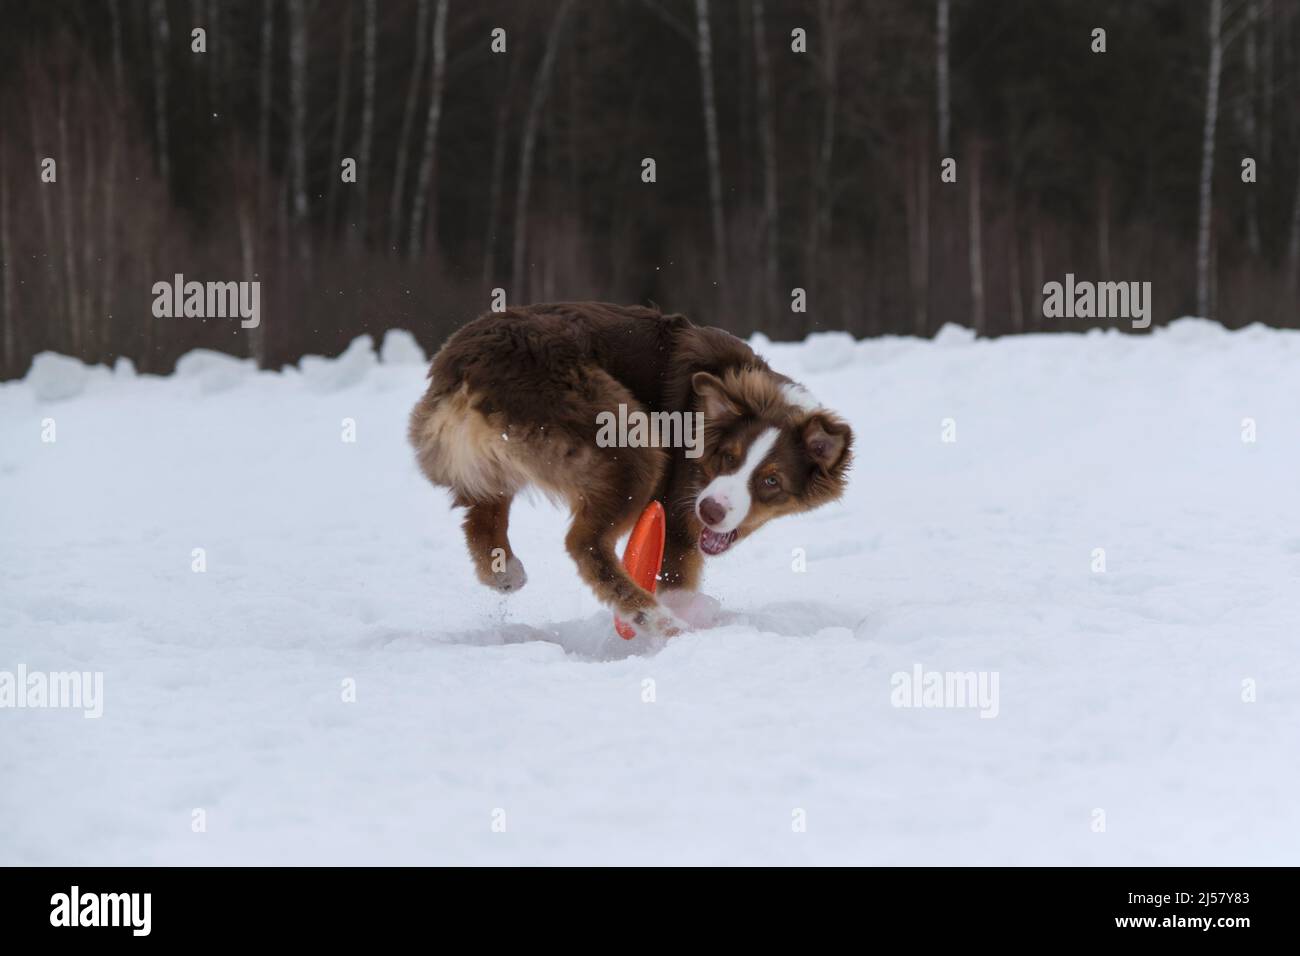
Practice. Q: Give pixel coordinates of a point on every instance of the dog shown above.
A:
(516, 398)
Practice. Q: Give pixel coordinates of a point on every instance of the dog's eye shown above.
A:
(772, 481)
(728, 460)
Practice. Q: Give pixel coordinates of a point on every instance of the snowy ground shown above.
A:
(327, 561)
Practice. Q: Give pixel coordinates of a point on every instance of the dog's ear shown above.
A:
(714, 400)
(827, 442)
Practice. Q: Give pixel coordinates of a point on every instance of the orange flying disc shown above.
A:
(644, 556)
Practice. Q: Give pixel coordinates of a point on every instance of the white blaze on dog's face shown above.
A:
(728, 495)
(770, 449)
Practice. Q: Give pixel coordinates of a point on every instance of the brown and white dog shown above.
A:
(516, 399)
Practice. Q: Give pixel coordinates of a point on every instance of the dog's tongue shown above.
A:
(713, 543)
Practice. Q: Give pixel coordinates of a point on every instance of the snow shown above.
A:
(400, 348)
(322, 374)
(214, 371)
(54, 377)
(330, 561)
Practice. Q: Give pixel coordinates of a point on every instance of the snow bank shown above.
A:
(322, 374)
(400, 348)
(214, 371)
(291, 639)
(55, 377)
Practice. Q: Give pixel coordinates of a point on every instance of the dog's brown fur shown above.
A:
(514, 400)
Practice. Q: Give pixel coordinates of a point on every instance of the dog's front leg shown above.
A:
(592, 549)
(683, 562)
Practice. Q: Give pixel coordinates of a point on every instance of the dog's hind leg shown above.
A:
(486, 525)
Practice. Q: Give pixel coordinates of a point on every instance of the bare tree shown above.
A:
(86, 306)
(1103, 183)
(408, 120)
(69, 249)
(264, 109)
(217, 46)
(424, 186)
(767, 137)
(115, 21)
(496, 185)
(108, 261)
(976, 245)
(10, 336)
(1203, 235)
(298, 120)
(941, 76)
(340, 120)
(367, 122)
(916, 199)
(248, 259)
(1293, 244)
(161, 42)
(109, 258)
(828, 62)
(57, 294)
(704, 51)
(541, 86)
(1248, 118)
(1013, 268)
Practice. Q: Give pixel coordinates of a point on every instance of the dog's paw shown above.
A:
(508, 581)
(660, 621)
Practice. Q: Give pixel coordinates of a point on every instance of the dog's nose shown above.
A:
(711, 511)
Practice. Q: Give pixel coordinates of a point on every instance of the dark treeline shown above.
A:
(775, 167)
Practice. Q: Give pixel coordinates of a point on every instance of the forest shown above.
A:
(785, 166)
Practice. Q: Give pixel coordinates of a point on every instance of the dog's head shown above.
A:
(769, 449)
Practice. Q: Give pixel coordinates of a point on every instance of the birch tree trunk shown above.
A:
(541, 85)
(1250, 123)
(161, 42)
(1204, 307)
(425, 185)
(408, 120)
(704, 50)
(367, 124)
(298, 121)
(767, 137)
(248, 259)
(340, 122)
(941, 77)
